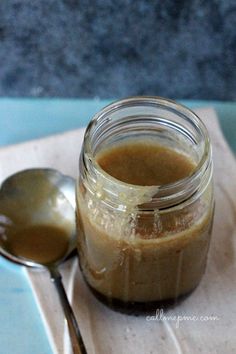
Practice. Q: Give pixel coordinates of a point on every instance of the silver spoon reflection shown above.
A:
(37, 228)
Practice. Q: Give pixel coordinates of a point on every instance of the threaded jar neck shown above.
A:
(162, 120)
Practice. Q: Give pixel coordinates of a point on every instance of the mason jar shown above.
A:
(142, 246)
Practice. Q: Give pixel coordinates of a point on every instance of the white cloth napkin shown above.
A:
(108, 332)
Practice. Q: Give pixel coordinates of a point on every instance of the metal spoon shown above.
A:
(37, 228)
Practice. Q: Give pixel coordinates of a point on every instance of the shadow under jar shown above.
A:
(143, 244)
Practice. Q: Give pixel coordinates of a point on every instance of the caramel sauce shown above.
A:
(145, 164)
(43, 244)
(138, 257)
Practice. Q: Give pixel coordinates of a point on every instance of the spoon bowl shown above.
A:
(32, 201)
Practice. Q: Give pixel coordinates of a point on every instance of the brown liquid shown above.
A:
(156, 257)
(145, 164)
(42, 244)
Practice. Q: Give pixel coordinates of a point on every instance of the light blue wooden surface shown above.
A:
(21, 327)
(24, 119)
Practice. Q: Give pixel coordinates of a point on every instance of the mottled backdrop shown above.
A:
(108, 48)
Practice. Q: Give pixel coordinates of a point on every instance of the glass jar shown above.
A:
(144, 246)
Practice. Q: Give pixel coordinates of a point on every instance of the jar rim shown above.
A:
(168, 190)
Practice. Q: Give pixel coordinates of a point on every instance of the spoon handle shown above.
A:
(75, 335)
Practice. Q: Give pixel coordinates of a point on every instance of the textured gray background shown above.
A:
(107, 48)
